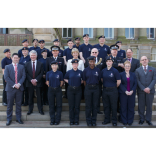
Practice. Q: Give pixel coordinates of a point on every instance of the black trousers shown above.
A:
(52, 94)
(4, 92)
(66, 88)
(25, 95)
(110, 98)
(100, 94)
(91, 100)
(74, 100)
(31, 98)
(44, 92)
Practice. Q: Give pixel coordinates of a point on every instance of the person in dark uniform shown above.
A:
(25, 44)
(121, 53)
(111, 80)
(91, 78)
(77, 43)
(54, 80)
(56, 42)
(74, 79)
(5, 61)
(85, 48)
(39, 50)
(99, 63)
(23, 60)
(103, 49)
(35, 45)
(44, 90)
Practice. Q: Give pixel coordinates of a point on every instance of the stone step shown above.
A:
(65, 124)
(65, 107)
(35, 116)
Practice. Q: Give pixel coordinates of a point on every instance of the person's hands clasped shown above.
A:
(147, 90)
(129, 93)
(33, 81)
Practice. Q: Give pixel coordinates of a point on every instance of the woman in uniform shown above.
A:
(111, 80)
(74, 79)
(54, 80)
(91, 78)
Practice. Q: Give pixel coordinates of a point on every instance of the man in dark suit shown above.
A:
(99, 63)
(135, 63)
(14, 76)
(34, 73)
(146, 78)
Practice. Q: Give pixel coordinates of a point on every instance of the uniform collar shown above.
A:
(109, 69)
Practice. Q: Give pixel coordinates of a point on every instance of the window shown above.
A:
(129, 33)
(153, 54)
(135, 52)
(109, 33)
(150, 33)
(88, 31)
(3, 30)
(66, 32)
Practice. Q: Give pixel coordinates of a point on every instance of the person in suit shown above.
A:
(127, 92)
(146, 78)
(14, 76)
(135, 63)
(99, 63)
(56, 42)
(34, 73)
(5, 61)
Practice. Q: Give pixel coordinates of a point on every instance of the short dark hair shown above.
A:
(130, 49)
(14, 54)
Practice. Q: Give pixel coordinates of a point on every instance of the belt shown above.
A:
(92, 85)
(54, 87)
(109, 87)
(74, 87)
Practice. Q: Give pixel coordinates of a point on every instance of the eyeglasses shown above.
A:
(144, 60)
(127, 66)
(94, 52)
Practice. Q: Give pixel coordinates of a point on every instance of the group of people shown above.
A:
(88, 72)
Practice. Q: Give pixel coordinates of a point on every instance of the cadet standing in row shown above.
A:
(77, 43)
(91, 78)
(35, 45)
(121, 53)
(54, 80)
(74, 79)
(6, 61)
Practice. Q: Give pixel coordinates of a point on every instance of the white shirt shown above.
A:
(54, 58)
(35, 64)
(80, 66)
(96, 60)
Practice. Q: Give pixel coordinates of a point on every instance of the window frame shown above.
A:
(109, 38)
(152, 54)
(67, 33)
(129, 33)
(88, 32)
(149, 34)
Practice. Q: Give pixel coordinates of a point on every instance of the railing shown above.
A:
(14, 39)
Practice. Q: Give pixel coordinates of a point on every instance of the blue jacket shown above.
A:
(123, 85)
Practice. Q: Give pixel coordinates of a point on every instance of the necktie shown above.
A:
(15, 74)
(145, 69)
(33, 70)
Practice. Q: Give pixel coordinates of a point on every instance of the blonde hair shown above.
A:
(75, 50)
(127, 62)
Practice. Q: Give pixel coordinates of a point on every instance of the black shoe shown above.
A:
(25, 104)
(76, 123)
(19, 121)
(29, 112)
(8, 122)
(71, 123)
(141, 122)
(51, 123)
(149, 123)
(65, 96)
(41, 112)
(4, 104)
(89, 124)
(119, 118)
(56, 123)
(114, 124)
(94, 124)
(104, 123)
(129, 124)
(124, 124)
(14, 103)
(99, 113)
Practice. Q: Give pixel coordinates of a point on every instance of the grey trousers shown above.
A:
(11, 95)
(145, 99)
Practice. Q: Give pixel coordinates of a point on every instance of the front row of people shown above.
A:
(115, 84)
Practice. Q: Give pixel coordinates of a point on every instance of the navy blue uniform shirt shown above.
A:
(39, 50)
(110, 77)
(103, 50)
(67, 53)
(121, 54)
(86, 50)
(54, 78)
(20, 53)
(23, 60)
(33, 48)
(42, 60)
(91, 76)
(74, 77)
(5, 61)
(74, 46)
